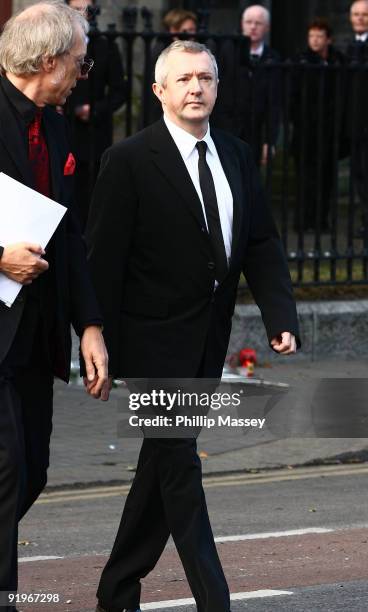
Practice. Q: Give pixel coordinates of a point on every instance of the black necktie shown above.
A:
(212, 213)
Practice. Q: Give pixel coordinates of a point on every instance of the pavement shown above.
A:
(88, 449)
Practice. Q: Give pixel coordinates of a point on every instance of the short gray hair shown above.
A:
(44, 29)
(187, 46)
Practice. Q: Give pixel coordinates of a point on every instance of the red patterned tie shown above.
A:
(39, 155)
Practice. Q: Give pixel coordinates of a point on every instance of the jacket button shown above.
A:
(211, 265)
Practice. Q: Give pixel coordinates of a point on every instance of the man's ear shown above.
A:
(48, 63)
(158, 90)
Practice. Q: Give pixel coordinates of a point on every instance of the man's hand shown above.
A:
(96, 359)
(284, 344)
(264, 156)
(83, 112)
(22, 262)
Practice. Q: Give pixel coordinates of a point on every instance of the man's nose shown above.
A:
(195, 85)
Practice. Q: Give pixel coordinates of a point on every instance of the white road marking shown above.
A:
(175, 603)
(39, 558)
(222, 539)
(273, 534)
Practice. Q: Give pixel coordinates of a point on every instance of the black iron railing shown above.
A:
(312, 120)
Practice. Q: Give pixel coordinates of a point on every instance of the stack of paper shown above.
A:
(25, 216)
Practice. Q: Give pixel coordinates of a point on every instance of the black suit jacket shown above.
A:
(151, 260)
(317, 111)
(357, 91)
(249, 96)
(75, 300)
(105, 90)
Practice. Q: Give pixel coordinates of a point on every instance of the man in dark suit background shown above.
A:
(35, 340)
(357, 118)
(177, 214)
(249, 97)
(90, 109)
(313, 108)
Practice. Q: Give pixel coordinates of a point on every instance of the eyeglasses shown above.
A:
(84, 65)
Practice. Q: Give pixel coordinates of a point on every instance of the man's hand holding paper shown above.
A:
(26, 226)
(22, 262)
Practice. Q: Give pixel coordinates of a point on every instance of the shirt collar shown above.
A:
(258, 51)
(186, 142)
(25, 107)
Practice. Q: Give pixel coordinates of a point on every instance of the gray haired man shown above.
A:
(39, 71)
(174, 245)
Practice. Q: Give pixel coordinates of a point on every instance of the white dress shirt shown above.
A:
(186, 144)
(258, 51)
(362, 37)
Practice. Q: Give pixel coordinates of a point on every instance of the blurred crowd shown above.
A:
(322, 93)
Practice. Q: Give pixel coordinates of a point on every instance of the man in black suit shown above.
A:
(249, 97)
(90, 109)
(313, 108)
(177, 214)
(357, 120)
(35, 337)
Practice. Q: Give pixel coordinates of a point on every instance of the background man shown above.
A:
(249, 99)
(176, 21)
(179, 21)
(315, 129)
(177, 214)
(357, 118)
(38, 71)
(92, 127)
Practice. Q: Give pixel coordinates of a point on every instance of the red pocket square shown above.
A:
(70, 165)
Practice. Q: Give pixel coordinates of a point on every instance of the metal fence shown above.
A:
(316, 172)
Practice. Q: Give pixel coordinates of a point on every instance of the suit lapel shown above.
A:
(13, 139)
(167, 158)
(233, 172)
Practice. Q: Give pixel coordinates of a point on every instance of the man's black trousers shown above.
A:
(26, 392)
(166, 498)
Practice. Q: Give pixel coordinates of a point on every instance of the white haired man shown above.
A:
(249, 100)
(38, 72)
(177, 214)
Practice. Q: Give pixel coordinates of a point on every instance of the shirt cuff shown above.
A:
(96, 322)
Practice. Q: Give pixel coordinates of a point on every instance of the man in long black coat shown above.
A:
(357, 117)
(317, 105)
(35, 341)
(90, 109)
(177, 214)
(249, 98)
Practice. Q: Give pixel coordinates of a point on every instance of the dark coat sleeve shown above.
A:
(114, 82)
(265, 265)
(109, 234)
(84, 309)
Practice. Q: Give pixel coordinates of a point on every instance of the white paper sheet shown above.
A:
(25, 216)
